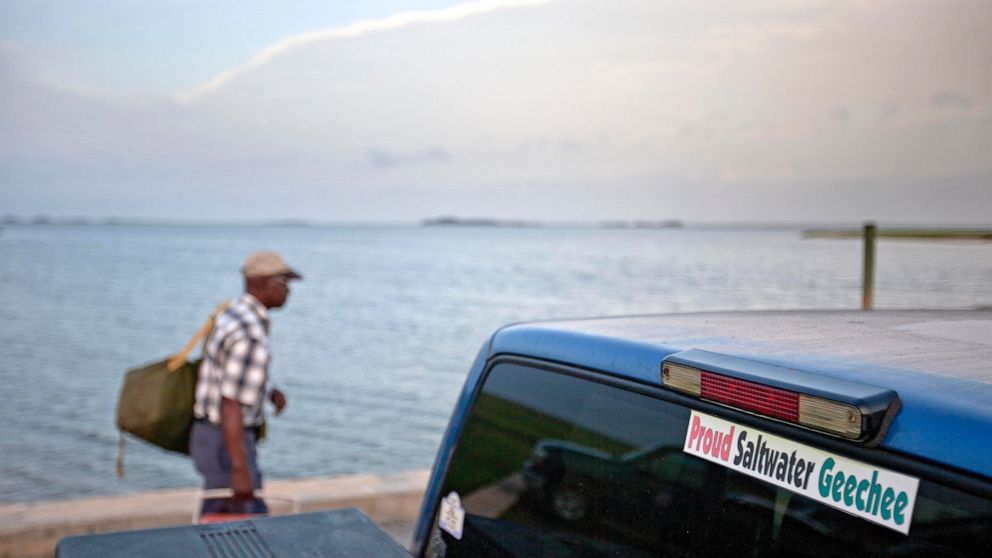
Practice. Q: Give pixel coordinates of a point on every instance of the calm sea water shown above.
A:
(374, 344)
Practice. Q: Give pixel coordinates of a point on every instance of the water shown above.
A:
(374, 344)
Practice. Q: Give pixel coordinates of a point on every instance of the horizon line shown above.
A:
(470, 222)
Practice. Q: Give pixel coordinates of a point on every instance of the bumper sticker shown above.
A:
(878, 495)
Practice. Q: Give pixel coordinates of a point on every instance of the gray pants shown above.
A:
(210, 456)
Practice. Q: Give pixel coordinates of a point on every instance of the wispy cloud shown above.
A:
(953, 100)
(841, 114)
(383, 159)
(398, 21)
(749, 37)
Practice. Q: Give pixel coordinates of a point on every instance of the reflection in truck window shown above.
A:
(549, 464)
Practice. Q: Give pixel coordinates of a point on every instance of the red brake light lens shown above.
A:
(764, 400)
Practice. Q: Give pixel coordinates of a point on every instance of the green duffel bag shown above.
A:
(156, 401)
(156, 404)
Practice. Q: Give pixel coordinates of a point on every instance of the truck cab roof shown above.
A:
(938, 362)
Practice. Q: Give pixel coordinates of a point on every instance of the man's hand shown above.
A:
(242, 485)
(279, 400)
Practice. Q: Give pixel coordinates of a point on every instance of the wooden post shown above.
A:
(868, 286)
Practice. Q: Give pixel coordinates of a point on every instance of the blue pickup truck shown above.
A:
(719, 434)
(733, 434)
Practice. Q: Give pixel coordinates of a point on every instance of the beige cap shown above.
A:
(268, 264)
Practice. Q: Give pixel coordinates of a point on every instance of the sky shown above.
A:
(819, 111)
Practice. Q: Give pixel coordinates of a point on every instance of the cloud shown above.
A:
(841, 114)
(749, 37)
(953, 100)
(570, 104)
(398, 21)
(383, 159)
(888, 110)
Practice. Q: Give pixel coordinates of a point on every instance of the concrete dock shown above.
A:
(32, 530)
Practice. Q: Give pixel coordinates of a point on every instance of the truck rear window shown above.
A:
(550, 464)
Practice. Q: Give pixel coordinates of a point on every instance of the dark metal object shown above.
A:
(868, 285)
(331, 534)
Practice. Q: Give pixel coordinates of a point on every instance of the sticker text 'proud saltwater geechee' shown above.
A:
(878, 495)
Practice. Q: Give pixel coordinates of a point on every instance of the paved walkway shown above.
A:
(32, 530)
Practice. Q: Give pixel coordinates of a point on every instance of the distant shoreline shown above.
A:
(984, 235)
(449, 221)
(975, 232)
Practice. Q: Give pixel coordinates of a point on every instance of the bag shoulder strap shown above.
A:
(180, 358)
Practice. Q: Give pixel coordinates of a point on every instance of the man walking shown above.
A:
(233, 385)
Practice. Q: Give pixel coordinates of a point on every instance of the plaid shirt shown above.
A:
(236, 363)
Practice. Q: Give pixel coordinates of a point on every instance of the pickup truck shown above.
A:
(829, 433)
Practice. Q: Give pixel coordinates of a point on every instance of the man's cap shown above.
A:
(268, 264)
